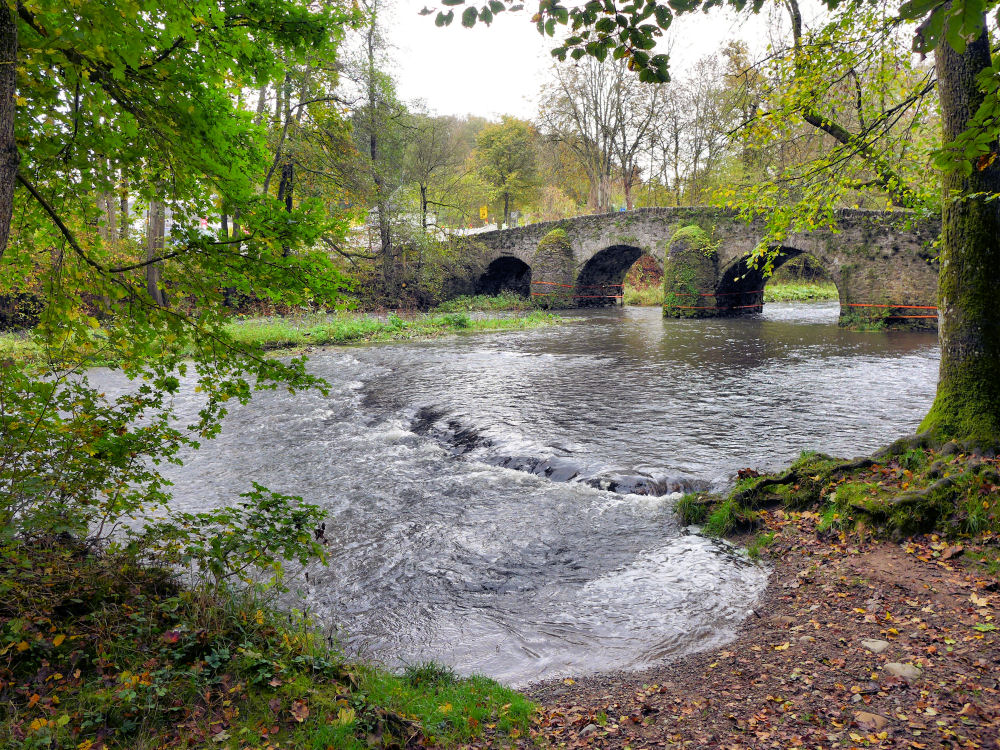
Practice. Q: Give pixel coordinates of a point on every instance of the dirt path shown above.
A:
(801, 673)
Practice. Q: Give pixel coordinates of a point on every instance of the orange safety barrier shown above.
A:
(893, 307)
(895, 317)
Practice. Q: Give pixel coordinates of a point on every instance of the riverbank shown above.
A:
(99, 651)
(858, 641)
(279, 333)
(775, 291)
(291, 333)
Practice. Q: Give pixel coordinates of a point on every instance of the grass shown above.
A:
(99, 651)
(285, 333)
(648, 296)
(334, 329)
(799, 291)
(488, 303)
(775, 291)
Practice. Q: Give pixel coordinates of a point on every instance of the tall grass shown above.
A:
(799, 291)
(488, 303)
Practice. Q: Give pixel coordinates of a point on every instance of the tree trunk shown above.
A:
(123, 210)
(967, 406)
(9, 156)
(423, 207)
(155, 234)
(506, 210)
(285, 188)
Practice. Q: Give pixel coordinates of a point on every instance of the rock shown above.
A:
(588, 730)
(906, 671)
(856, 698)
(875, 646)
(870, 721)
(950, 448)
(783, 620)
(807, 639)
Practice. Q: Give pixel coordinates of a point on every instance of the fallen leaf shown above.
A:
(299, 710)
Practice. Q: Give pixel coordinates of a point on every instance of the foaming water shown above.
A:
(500, 502)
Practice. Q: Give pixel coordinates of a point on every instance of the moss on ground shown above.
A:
(99, 651)
(913, 487)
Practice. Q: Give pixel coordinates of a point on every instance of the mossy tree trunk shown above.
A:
(967, 406)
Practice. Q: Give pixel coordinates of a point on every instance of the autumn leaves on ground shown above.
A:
(859, 641)
(98, 652)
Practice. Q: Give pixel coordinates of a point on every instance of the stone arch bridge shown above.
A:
(883, 263)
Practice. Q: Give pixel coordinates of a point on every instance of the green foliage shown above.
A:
(229, 543)
(505, 160)
(143, 99)
(102, 651)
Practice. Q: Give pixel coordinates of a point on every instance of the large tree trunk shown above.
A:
(9, 157)
(967, 406)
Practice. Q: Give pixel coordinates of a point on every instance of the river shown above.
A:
(502, 502)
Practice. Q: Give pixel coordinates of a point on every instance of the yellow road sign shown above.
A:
(483, 212)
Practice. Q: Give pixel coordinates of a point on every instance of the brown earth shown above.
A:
(798, 675)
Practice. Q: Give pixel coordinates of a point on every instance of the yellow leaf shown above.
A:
(23, 646)
(57, 641)
(782, 647)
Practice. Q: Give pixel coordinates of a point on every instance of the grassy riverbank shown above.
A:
(488, 303)
(338, 329)
(799, 291)
(101, 651)
(297, 332)
(775, 291)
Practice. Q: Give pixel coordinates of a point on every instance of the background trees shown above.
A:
(505, 160)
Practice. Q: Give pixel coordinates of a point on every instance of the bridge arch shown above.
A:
(505, 274)
(740, 289)
(599, 282)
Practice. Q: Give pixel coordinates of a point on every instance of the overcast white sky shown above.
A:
(498, 70)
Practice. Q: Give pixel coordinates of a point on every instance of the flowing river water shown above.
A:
(503, 502)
